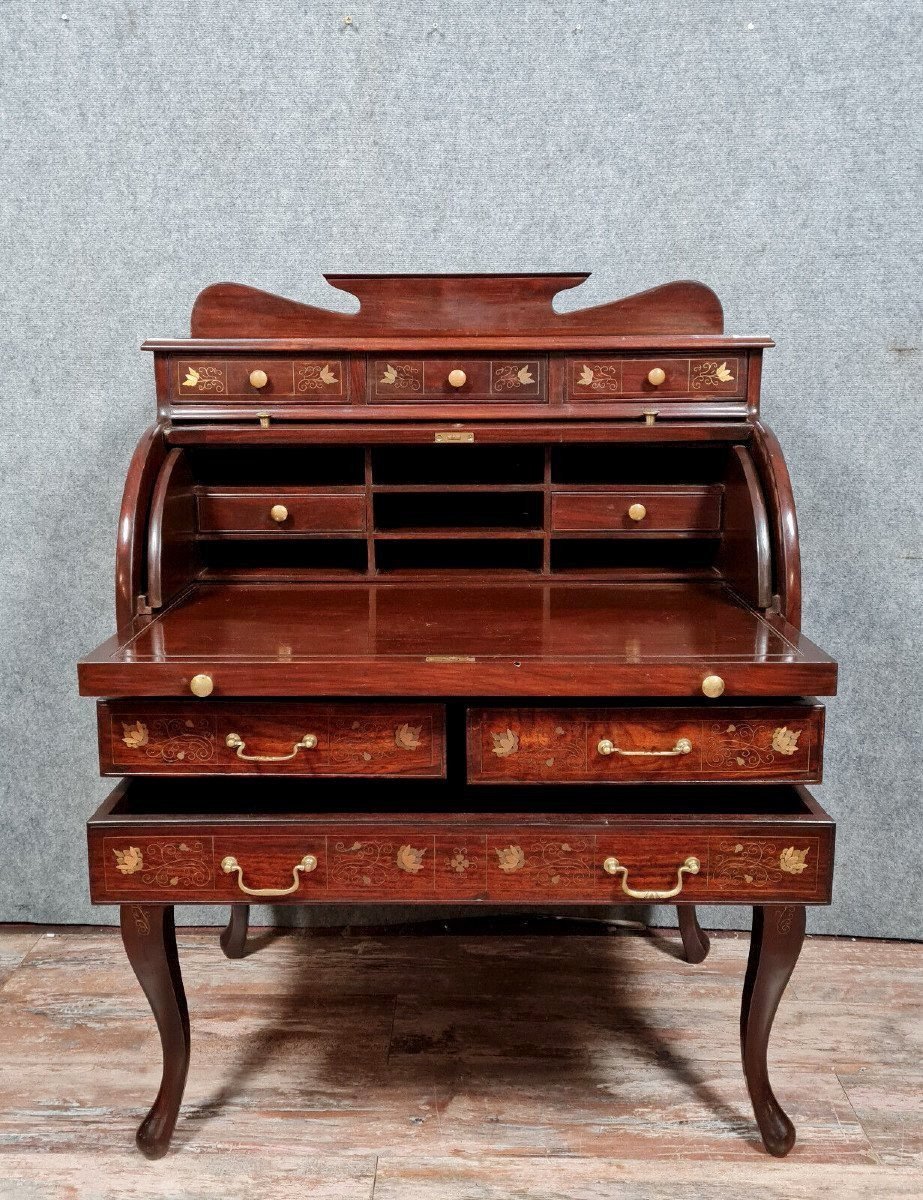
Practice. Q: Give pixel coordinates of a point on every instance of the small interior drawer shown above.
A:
(636, 509)
(223, 841)
(266, 377)
(457, 379)
(218, 737)
(755, 743)
(280, 511)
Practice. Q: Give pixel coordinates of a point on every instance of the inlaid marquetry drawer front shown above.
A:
(458, 379)
(615, 859)
(537, 745)
(279, 511)
(610, 377)
(637, 510)
(313, 380)
(274, 738)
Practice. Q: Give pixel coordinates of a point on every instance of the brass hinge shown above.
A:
(453, 437)
(142, 608)
(264, 419)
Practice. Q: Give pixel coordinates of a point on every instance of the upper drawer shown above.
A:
(631, 745)
(313, 380)
(277, 511)
(636, 509)
(608, 377)
(459, 379)
(147, 737)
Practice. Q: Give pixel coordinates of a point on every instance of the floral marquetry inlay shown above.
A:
(600, 377)
(785, 740)
(410, 859)
(406, 377)
(505, 743)
(314, 377)
(167, 863)
(510, 858)
(204, 378)
(792, 860)
(407, 736)
(128, 861)
(509, 377)
(707, 374)
(459, 860)
(749, 744)
(757, 863)
(172, 739)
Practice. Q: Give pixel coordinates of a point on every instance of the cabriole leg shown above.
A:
(695, 940)
(150, 942)
(775, 943)
(234, 934)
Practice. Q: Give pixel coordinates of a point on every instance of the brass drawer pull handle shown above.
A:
(683, 746)
(612, 866)
(229, 864)
(235, 742)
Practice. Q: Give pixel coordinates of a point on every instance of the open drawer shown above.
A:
(228, 841)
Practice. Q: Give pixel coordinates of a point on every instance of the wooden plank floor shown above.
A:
(479, 1066)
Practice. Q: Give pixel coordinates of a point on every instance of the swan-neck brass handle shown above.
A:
(612, 866)
(683, 746)
(235, 742)
(229, 864)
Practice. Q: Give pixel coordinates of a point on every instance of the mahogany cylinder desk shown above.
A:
(459, 600)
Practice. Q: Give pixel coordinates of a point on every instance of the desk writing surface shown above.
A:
(349, 636)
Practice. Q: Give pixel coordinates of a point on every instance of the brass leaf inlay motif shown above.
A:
(390, 375)
(410, 859)
(327, 375)
(785, 740)
(792, 860)
(134, 736)
(128, 861)
(510, 858)
(459, 862)
(524, 375)
(586, 376)
(710, 374)
(505, 743)
(192, 378)
(407, 736)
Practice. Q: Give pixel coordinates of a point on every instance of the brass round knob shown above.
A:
(258, 379)
(279, 513)
(713, 686)
(656, 376)
(457, 378)
(637, 512)
(201, 685)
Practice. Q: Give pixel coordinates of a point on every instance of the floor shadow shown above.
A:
(527, 984)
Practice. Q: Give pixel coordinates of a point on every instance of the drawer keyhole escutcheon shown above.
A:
(457, 379)
(258, 379)
(229, 864)
(201, 685)
(637, 512)
(683, 746)
(235, 742)
(612, 866)
(713, 686)
(279, 513)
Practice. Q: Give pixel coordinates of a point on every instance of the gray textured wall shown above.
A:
(769, 149)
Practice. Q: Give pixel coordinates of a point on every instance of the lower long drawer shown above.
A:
(229, 841)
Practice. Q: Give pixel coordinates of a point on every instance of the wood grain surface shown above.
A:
(475, 1067)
